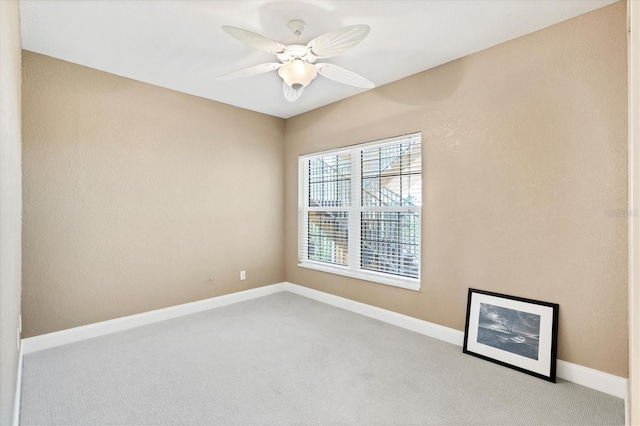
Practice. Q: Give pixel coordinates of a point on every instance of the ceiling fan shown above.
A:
(297, 65)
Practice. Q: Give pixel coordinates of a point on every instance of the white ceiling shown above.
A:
(178, 44)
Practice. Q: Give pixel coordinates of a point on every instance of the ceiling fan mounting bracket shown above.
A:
(297, 26)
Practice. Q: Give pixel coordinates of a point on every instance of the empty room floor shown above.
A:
(286, 359)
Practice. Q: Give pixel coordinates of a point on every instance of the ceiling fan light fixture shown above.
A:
(297, 73)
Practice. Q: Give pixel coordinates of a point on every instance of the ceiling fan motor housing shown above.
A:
(296, 51)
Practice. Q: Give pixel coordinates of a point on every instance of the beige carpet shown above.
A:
(284, 359)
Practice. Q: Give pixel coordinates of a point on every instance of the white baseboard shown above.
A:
(594, 379)
(58, 338)
(404, 321)
(598, 380)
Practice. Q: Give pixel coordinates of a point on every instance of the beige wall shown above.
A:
(634, 217)
(135, 195)
(525, 181)
(10, 203)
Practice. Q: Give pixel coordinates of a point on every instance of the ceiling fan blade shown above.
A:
(250, 71)
(254, 40)
(291, 94)
(341, 75)
(335, 42)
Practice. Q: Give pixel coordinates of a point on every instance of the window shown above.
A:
(359, 211)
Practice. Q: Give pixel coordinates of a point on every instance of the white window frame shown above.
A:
(354, 210)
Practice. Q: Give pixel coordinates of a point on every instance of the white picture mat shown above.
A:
(543, 364)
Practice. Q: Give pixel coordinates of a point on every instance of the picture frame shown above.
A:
(515, 332)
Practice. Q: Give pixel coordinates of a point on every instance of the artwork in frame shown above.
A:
(518, 333)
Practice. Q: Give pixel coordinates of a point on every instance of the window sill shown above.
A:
(407, 283)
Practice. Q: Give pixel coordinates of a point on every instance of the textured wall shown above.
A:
(525, 181)
(634, 231)
(10, 203)
(135, 195)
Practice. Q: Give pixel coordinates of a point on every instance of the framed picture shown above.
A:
(518, 333)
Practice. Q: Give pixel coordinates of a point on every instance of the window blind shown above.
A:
(359, 209)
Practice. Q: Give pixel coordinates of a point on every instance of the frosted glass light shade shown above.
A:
(297, 73)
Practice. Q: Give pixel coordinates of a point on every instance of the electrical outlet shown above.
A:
(243, 275)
